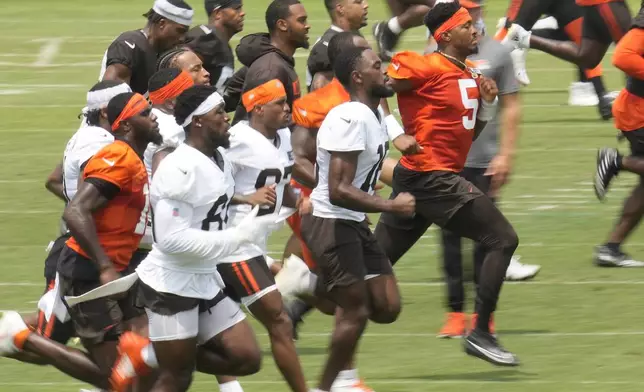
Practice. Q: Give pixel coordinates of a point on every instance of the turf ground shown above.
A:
(575, 328)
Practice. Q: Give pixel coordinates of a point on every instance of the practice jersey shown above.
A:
(628, 108)
(352, 126)
(310, 110)
(207, 186)
(439, 111)
(318, 60)
(258, 162)
(133, 50)
(172, 133)
(121, 223)
(86, 142)
(216, 54)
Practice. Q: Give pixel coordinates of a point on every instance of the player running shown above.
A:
(354, 272)
(628, 110)
(132, 56)
(212, 41)
(407, 14)
(445, 103)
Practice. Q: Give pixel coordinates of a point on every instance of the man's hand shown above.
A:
(304, 206)
(404, 204)
(407, 144)
(488, 89)
(500, 169)
(265, 196)
(108, 274)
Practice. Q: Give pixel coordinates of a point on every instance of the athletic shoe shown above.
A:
(607, 168)
(485, 346)
(491, 327)
(518, 60)
(608, 257)
(340, 385)
(455, 326)
(10, 324)
(517, 37)
(386, 40)
(130, 363)
(582, 94)
(518, 271)
(295, 278)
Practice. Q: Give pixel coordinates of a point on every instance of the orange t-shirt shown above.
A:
(120, 224)
(310, 110)
(587, 3)
(439, 111)
(628, 108)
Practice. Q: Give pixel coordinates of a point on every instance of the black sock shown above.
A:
(598, 84)
(614, 246)
(299, 309)
(582, 75)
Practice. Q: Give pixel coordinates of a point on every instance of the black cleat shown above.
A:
(605, 256)
(485, 346)
(607, 168)
(386, 40)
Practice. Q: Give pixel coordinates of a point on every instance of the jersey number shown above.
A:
(468, 103)
(143, 219)
(369, 183)
(276, 175)
(218, 214)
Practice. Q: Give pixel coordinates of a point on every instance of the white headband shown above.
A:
(100, 98)
(210, 103)
(172, 12)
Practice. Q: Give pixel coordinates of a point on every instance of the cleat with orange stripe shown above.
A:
(130, 363)
(491, 326)
(455, 326)
(350, 386)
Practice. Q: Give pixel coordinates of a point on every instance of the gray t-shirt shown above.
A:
(495, 62)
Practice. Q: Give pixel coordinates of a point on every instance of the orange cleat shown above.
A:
(491, 326)
(130, 363)
(455, 326)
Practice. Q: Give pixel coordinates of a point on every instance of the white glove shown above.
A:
(517, 37)
(253, 228)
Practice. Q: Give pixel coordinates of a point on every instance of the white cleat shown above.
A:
(517, 37)
(295, 278)
(518, 60)
(10, 324)
(517, 271)
(350, 386)
(582, 94)
(549, 23)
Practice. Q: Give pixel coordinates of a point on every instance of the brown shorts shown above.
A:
(346, 251)
(246, 278)
(99, 320)
(167, 304)
(606, 23)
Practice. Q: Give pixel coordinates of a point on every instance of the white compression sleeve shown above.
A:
(173, 234)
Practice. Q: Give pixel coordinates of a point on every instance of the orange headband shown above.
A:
(260, 95)
(172, 89)
(459, 18)
(134, 106)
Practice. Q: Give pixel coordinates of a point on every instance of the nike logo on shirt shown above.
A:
(130, 45)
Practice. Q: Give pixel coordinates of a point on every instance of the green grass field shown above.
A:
(576, 328)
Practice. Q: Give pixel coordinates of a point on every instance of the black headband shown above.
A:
(212, 5)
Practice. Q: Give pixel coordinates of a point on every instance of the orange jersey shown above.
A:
(310, 110)
(120, 224)
(628, 108)
(439, 111)
(587, 3)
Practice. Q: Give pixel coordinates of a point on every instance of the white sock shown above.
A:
(350, 374)
(231, 386)
(149, 356)
(317, 390)
(394, 25)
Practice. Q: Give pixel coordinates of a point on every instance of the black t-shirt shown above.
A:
(217, 56)
(318, 60)
(133, 50)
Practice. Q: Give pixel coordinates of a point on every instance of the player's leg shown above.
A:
(406, 14)
(609, 163)
(227, 343)
(338, 249)
(252, 283)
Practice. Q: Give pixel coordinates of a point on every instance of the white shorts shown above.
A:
(191, 323)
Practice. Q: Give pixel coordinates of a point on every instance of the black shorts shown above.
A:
(636, 140)
(167, 304)
(346, 251)
(247, 279)
(51, 262)
(527, 12)
(606, 23)
(54, 329)
(98, 320)
(478, 178)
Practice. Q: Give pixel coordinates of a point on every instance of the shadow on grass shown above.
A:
(301, 351)
(502, 375)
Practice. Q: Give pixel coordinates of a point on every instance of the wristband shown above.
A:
(487, 111)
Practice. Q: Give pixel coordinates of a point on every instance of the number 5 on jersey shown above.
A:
(468, 103)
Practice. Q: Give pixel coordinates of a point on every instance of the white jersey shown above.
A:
(352, 126)
(258, 162)
(172, 133)
(199, 185)
(86, 142)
